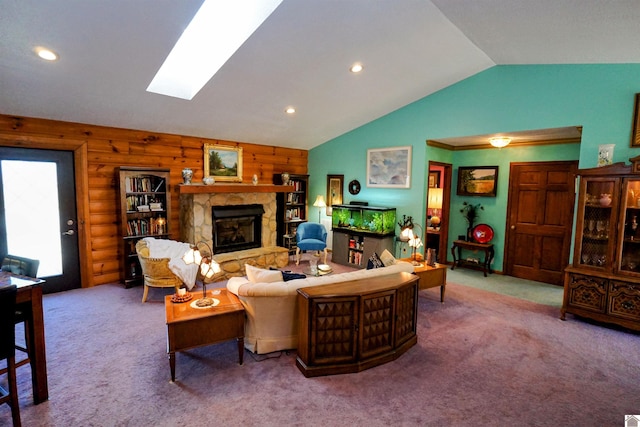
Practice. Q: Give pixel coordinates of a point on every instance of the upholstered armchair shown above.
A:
(156, 271)
(311, 236)
(20, 265)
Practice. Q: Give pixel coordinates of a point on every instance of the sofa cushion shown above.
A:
(374, 262)
(387, 259)
(259, 275)
(289, 275)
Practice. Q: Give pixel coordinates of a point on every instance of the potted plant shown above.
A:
(470, 212)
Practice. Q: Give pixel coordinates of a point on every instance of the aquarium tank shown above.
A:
(366, 219)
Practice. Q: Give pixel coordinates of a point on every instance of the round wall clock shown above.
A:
(354, 187)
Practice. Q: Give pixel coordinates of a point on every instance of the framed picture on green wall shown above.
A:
(635, 134)
(477, 181)
(389, 167)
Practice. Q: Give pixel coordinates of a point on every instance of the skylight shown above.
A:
(217, 30)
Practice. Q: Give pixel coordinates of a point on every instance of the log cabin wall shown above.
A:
(98, 150)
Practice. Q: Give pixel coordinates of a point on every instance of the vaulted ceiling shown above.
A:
(111, 49)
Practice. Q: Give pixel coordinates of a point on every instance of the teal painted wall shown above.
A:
(501, 99)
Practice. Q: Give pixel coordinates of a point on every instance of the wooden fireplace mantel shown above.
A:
(233, 188)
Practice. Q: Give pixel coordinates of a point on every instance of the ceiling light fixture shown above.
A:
(46, 54)
(217, 30)
(289, 110)
(500, 141)
(356, 68)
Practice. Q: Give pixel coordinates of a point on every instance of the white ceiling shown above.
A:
(111, 49)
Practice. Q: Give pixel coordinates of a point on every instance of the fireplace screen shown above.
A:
(236, 227)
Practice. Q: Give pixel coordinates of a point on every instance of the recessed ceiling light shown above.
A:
(46, 54)
(356, 68)
(290, 110)
(217, 30)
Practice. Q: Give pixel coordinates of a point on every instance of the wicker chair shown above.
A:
(155, 271)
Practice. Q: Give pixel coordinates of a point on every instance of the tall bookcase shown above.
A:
(145, 200)
(292, 209)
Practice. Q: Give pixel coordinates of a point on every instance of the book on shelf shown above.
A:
(141, 184)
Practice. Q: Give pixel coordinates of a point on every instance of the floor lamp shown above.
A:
(319, 203)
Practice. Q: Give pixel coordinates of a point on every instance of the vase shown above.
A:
(254, 180)
(187, 175)
(285, 178)
(470, 233)
(605, 200)
(208, 180)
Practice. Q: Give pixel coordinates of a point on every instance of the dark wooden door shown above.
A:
(40, 186)
(540, 220)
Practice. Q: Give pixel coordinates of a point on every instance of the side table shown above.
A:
(430, 277)
(487, 248)
(189, 327)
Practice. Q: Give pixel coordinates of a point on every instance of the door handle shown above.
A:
(513, 227)
(69, 233)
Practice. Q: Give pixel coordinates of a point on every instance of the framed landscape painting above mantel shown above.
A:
(223, 163)
(477, 181)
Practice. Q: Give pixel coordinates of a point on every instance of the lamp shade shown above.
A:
(500, 141)
(320, 203)
(435, 198)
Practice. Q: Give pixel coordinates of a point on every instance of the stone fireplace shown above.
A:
(197, 203)
(196, 222)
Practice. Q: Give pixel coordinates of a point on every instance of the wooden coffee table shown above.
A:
(430, 277)
(189, 327)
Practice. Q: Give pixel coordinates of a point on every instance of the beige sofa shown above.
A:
(272, 315)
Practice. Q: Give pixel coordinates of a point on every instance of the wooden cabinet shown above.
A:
(292, 209)
(603, 281)
(355, 248)
(145, 200)
(351, 326)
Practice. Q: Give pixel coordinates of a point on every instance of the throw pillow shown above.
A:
(374, 262)
(387, 258)
(259, 275)
(288, 275)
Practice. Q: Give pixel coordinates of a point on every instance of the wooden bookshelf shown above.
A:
(145, 201)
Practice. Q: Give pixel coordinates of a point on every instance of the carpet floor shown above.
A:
(481, 359)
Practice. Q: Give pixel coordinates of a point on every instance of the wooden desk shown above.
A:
(29, 301)
(430, 277)
(487, 248)
(189, 327)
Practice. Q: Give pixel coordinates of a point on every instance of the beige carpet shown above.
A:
(481, 359)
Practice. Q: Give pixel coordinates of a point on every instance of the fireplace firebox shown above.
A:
(236, 227)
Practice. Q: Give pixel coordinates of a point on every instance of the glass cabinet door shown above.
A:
(629, 260)
(598, 223)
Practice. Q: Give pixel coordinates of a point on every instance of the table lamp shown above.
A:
(405, 227)
(434, 202)
(415, 242)
(208, 269)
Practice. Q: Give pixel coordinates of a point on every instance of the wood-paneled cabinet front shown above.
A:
(352, 326)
